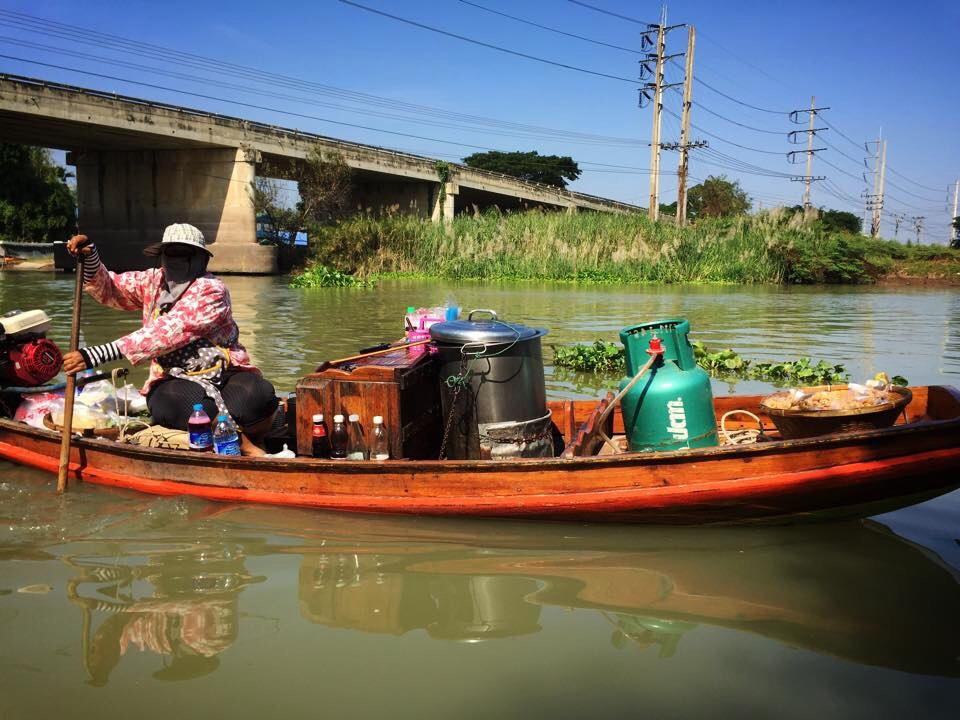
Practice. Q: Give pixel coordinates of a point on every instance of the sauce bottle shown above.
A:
(321, 441)
(338, 439)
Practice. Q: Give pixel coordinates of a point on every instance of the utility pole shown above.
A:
(897, 219)
(810, 151)
(955, 232)
(918, 225)
(657, 86)
(877, 200)
(653, 207)
(685, 129)
(810, 133)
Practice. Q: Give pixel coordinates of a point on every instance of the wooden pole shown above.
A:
(327, 364)
(69, 393)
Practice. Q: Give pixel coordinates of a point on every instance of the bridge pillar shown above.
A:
(449, 203)
(127, 198)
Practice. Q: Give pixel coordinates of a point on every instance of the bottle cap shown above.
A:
(338, 418)
(378, 420)
(222, 417)
(411, 309)
(318, 418)
(198, 406)
(354, 417)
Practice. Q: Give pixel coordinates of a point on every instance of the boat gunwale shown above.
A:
(664, 458)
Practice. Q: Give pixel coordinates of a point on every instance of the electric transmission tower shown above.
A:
(792, 156)
(656, 86)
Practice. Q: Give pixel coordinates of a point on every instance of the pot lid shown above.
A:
(486, 330)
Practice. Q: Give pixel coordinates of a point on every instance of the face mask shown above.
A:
(176, 269)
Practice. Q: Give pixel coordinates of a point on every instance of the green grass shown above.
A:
(769, 247)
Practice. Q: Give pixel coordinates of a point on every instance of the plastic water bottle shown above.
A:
(321, 441)
(358, 446)
(198, 428)
(379, 441)
(226, 441)
(338, 439)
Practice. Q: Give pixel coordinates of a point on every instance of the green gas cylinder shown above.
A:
(671, 406)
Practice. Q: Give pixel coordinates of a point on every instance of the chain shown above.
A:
(459, 381)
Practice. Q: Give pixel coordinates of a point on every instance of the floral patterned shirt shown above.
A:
(202, 312)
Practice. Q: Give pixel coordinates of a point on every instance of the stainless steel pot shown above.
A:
(490, 372)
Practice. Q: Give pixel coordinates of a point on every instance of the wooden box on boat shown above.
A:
(401, 386)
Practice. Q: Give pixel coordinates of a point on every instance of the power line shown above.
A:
(925, 187)
(550, 29)
(730, 120)
(496, 129)
(613, 14)
(919, 197)
(169, 55)
(481, 43)
(608, 166)
(721, 139)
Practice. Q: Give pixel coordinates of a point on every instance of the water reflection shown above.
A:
(854, 591)
(179, 603)
(167, 580)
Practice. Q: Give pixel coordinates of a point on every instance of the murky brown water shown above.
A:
(113, 603)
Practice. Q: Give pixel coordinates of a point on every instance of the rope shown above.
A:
(126, 422)
(743, 436)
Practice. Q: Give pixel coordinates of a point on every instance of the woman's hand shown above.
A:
(73, 363)
(79, 243)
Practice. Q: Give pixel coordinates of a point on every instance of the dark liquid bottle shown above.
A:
(321, 441)
(338, 439)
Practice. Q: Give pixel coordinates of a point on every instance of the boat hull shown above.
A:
(850, 474)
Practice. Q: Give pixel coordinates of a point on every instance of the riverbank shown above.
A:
(774, 247)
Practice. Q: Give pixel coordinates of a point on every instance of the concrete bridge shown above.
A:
(142, 165)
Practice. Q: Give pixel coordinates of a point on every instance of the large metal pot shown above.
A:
(492, 388)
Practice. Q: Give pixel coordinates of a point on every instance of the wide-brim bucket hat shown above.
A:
(179, 234)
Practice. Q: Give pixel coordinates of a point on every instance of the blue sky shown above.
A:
(878, 66)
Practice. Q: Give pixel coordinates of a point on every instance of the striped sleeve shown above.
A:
(91, 264)
(99, 354)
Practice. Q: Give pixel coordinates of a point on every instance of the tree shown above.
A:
(36, 204)
(531, 166)
(324, 182)
(835, 220)
(717, 197)
(841, 221)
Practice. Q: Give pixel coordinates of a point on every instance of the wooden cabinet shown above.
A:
(402, 386)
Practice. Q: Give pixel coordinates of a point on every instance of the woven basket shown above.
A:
(810, 423)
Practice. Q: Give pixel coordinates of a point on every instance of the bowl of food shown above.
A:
(812, 411)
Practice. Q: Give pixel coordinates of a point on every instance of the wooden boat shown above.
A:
(850, 473)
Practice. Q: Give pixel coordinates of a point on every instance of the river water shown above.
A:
(114, 603)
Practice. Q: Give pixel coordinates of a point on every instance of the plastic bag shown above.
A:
(36, 406)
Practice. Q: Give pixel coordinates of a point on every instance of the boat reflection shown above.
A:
(854, 591)
(178, 602)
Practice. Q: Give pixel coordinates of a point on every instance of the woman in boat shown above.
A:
(188, 335)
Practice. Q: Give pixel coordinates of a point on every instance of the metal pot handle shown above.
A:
(493, 314)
